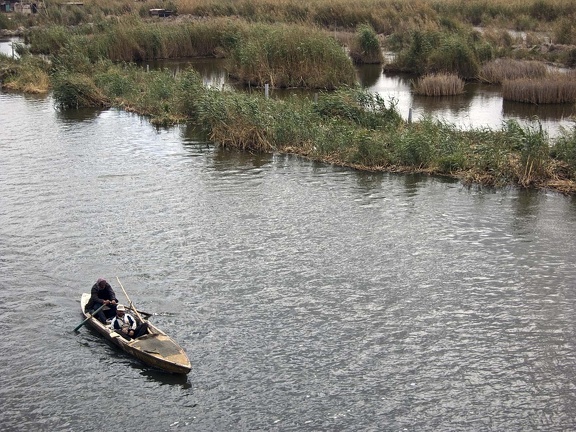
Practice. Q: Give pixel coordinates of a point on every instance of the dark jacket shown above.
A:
(97, 296)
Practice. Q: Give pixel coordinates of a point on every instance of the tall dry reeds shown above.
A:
(440, 84)
(383, 13)
(500, 70)
(28, 74)
(557, 87)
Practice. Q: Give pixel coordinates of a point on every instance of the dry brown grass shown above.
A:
(500, 70)
(439, 85)
(29, 81)
(555, 88)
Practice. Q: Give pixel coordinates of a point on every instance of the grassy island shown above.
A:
(89, 55)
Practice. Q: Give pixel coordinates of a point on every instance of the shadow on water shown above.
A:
(225, 159)
(78, 115)
(164, 378)
(532, 111)
(368, 75)
(116, 355)
(193, 136)
(412, 183)
(526, 207)
(369, 181)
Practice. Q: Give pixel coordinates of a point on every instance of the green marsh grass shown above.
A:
(365, 46)
(441, 51)
(76, 90)
(564, 151)
(290, 56)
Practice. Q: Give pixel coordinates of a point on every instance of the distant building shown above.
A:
(18, 6)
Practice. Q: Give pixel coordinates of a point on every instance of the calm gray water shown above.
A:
(308, 297)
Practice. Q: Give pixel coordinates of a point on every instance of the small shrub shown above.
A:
(290, 56)
(564, 149)
(433, 51)
(454, 54)
(365, 47)
(565, 31)
(532, 143)
(75, 90)
(359, 107)
(543, 10)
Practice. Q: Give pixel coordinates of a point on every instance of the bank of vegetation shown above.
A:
(287, 44)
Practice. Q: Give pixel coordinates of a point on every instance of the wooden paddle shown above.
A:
(132, 307)
(89, 316)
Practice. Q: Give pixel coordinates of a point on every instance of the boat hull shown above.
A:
(155, 349)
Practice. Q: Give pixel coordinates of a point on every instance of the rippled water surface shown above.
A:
(308, 297)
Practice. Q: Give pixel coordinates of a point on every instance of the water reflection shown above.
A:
(164, 378)
(192, 136)
(213, 71)
(368, 75)
(411, 183)
(8, 46)
(369, 181)
(526, 206)
(225, 159)
(530, 111)
(78, 115)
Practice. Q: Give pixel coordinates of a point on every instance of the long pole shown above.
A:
(89, 316)
(130, 301)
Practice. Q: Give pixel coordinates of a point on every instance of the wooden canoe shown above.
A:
(155, 349)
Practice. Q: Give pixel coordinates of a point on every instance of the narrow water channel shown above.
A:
(481, 106)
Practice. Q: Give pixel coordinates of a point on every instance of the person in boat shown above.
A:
(102, 293)
(126, 325)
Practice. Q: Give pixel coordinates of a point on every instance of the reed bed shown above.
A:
(348, 127)
(290, 56)
(280, 55)
(76, 90)
(382, 14)
(28, 75)
(555, 88)
(439, 85)
(506, 69)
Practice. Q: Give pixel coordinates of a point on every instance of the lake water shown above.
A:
(308, 297)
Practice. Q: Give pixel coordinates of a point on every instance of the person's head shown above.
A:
(120, 310)
(101, 283)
